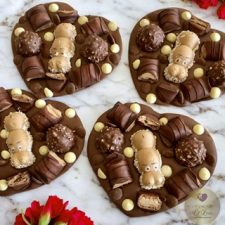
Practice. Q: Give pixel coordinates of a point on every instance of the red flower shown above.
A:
(52, 209)
(221, 11)
(53, 212)
(204, 4)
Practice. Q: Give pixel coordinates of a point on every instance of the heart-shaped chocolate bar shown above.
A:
(176, 58)
(39, 140)
(149, 162)
(58, 52)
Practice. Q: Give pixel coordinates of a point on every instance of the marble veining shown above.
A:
(79, 185)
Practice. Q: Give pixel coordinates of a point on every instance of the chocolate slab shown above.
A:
(149, 78)
(46, 167)
(176, 188)
(83, 73)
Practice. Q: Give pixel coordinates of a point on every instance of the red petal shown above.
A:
(204, 4)
(221, 11)
(79, 218)
(19, 220)
(54, 206)
(33, 212)
(214, 2)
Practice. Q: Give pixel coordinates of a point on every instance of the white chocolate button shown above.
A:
(70, 157)
(163, 121)
(186, 15)
(4, 134)
(136, 63)
(112, 26)
(127, 204)
(215, 36)
(43, 150)
(82, 20)
(144, 22)
(215, 92)
(198, 72)
(99, 126)
(166, 170)
(101, 174)
(128, 152)
(135, 107)
(18, 31)
(204, 173)
(16, 91)
(198, 129)
(49, 36)
(48, 93)
(40, 103)
(53, 7)
(166, 49)
(78, 63)
(115, 48)
(70, 113)
(171, 37)
(151, 98)
(106, 68)
(5, 154)
(3, 185)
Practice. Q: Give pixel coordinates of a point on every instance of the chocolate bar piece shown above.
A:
(20, 181)
(195, 89)
(122, 116)
(149, 201)
(117, 170)
(150, 121)
(32, 68)
(22, 102)
(198, 26)
(213, 51)
(182, 184)
(48, 168)
(5, 100)
(167, 92)
(173, 131)
(67, 16)
(169, 20)
(148, 70)
(95, 26)
(85, 76)
(39, 18)
(46, 117)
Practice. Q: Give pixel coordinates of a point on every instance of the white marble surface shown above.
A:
(80, 185)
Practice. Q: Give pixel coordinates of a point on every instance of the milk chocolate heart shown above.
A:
(176, 58)
(58, 52)
(39, 140)
(149, 162)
